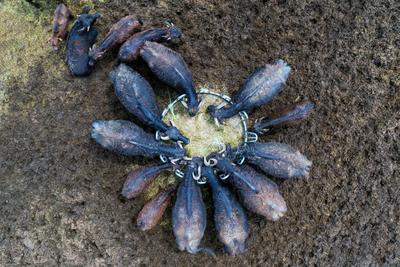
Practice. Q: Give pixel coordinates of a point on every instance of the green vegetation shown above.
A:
(160, 183)
(23, 42)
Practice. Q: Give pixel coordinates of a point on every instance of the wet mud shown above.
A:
(60, 192)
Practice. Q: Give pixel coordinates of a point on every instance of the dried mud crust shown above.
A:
(59, 191)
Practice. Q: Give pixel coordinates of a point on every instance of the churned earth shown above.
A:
(59, 191)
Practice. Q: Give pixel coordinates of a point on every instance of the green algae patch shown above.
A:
(45, 8)
(205, 136)
(161, 182)
(23, 41)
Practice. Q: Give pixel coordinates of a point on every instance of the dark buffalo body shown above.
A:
(256, 192)
(139, 179)
(152, 212)
(80, 40)
(259, 88)
(170, 68)
(62, 16)
(229, 217)
(189, 213)
(117, 35)
(126, 138)
(136, 94)
(129, 51)
(225, 165)
(289, 116)
(277, 159)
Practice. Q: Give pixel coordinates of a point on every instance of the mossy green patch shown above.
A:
(205, 136)
(23, 39)
(161, 182)
(45, 8)
(22, 42)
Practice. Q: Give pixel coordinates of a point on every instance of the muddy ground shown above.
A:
(59, 191)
